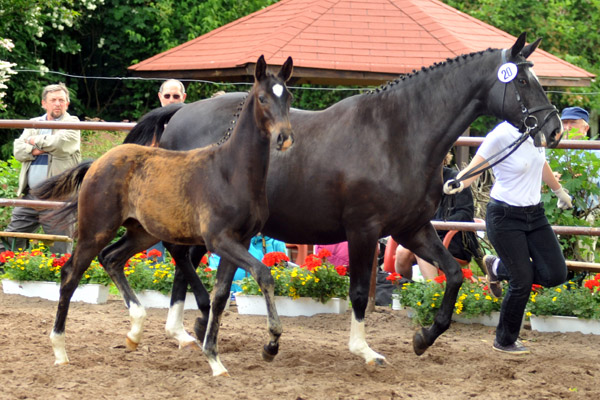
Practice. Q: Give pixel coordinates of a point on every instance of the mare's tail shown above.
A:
(150, 128)
(65, 187)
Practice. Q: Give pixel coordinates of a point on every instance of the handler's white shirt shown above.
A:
(519, 176)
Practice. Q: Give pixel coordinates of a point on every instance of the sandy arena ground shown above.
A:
(313, 362)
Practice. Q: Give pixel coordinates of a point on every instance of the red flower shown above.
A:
(394, 277)
(207, 269)
(591, 284)
(467, 273)
(274, 258)
(323, 253)
(311, 262)
(154, 253)
(440, 279)
(5, 255)
(61, 261)
(204, 259)
(535, 287)
(341, 270)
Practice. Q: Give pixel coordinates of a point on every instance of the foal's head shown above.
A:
(273, 101)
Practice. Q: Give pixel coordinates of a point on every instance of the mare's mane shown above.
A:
(435, 66)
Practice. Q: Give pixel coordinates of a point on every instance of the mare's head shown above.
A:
(518, 96)
(273, 101)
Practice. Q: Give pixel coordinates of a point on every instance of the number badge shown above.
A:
(507, 72)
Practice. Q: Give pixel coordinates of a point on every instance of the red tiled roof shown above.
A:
(361, 38)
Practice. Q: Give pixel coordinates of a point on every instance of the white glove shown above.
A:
(564, 200)
(451, 186)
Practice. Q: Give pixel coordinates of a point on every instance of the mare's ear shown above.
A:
(519, 44)
(286, 70)
(260, 72)
(531, 48)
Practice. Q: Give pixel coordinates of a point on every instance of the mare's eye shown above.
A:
(522, 82)
(262, 99)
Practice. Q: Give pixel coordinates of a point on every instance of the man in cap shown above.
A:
(575, 122)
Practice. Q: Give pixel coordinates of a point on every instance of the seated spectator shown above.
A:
(457, 207)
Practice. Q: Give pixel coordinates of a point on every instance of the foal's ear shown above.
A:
(286, 70)
(260, 72)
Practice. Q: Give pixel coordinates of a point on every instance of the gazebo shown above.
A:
(345, 42)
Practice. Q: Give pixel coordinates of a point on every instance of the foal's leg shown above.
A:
(426, 244)
(185, 273)
(113, 258)
(233, 254)
(361, 248)
(71, 274)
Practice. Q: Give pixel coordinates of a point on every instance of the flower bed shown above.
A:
(569, 300)
(289, 307)
(142, 270)
(425, 298)
(316, 278)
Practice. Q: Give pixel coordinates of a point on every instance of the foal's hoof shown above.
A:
(269, 352)
(130, 344)
(193, 345)
(419, 342)
(59, 363)
(376, 362)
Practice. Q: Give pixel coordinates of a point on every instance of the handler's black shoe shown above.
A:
(492, 279)
(515, 348)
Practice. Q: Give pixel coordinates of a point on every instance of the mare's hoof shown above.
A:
(269, 352)
(59, 363)
(419, 342)
(130, 344)
(190, 346)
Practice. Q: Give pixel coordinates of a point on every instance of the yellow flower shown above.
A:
(554, 298)
(558, 290)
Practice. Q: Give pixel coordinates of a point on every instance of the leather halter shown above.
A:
(526, 129)
(529, 123)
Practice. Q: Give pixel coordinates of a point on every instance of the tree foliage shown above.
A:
(568, 28)
(84, 40)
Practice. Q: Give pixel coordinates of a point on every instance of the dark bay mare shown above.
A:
(214, 196)
(370, 165)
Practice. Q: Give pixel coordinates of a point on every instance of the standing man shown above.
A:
(575, 118)
(43, 153)
(171, 91)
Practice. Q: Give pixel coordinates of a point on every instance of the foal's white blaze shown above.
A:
(358, 344)
(138, 316)
(58, 345)
(174, 326)
(277, 90)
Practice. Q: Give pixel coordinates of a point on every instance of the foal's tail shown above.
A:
(65, 187)
(150, 128)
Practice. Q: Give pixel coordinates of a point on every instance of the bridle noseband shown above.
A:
(529, 123)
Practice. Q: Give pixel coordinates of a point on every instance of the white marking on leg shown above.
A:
(217, 367)
(60, 351)
(138, 316)
(358, 344)
(174, 326)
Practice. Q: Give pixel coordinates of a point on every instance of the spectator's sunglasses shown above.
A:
(168, 96)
